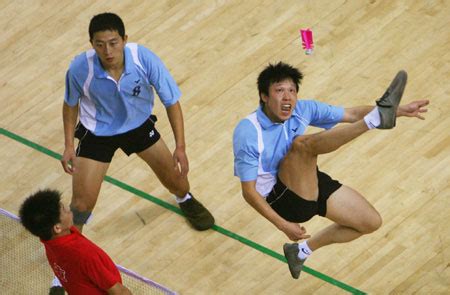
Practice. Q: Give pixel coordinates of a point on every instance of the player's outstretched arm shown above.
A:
(412, 109)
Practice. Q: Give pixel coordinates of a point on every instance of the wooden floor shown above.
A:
(215, 50)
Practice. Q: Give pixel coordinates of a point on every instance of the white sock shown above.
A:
(184, 199)
(373, 119)
(304, 250)
(56, 282)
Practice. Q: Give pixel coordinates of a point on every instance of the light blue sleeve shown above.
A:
(159, 76)
(245, 149)
(324, 115)
(75, 77)
(73, 89)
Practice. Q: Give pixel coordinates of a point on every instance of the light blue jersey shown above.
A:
(108, 107)
(260, 144)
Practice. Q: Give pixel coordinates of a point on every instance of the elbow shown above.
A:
(247, 197)
(249, 191)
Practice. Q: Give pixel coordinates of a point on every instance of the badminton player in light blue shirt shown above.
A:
(112, 89)
(277, 163)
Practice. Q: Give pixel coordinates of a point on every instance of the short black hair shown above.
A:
(274, 73)
(40, 212)
(106, 22)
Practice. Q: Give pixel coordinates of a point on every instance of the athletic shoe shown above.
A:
(295, 264)
(197, 214)
(388, 103)
(56, 290)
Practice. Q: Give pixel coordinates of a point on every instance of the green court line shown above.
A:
(176, 210)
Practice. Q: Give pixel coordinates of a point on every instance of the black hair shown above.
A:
(274, 73)
(40, 212)
(106, 22)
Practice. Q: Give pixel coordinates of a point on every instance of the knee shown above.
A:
(371, 223)
(303, 145)
(81, 205)
(83, 202)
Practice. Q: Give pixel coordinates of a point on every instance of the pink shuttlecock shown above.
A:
(307, 40)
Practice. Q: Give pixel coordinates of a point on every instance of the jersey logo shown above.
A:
(60, 273)
(136, 90)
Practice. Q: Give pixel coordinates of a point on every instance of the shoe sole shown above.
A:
(389, 102)
(205, 226)
(287, 254)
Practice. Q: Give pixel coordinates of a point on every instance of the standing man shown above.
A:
(277, 163)
(110, 88)
(80, 265)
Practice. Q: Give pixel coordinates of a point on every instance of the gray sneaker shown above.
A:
(199, 217)
(388, 103)
(295, 264)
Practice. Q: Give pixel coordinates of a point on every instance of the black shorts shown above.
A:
(294, 208)
(102, 148)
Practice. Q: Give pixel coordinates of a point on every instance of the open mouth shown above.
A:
(286, 107)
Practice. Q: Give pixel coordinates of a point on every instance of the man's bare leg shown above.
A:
(86, 183)
(298, 172)
(160, 160)
(353, 215)
(298, 168)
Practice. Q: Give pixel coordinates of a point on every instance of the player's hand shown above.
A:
(294, 231)
(180, 161)
(413, 109)
(67, 160)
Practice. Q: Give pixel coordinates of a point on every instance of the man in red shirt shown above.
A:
(80, 265)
